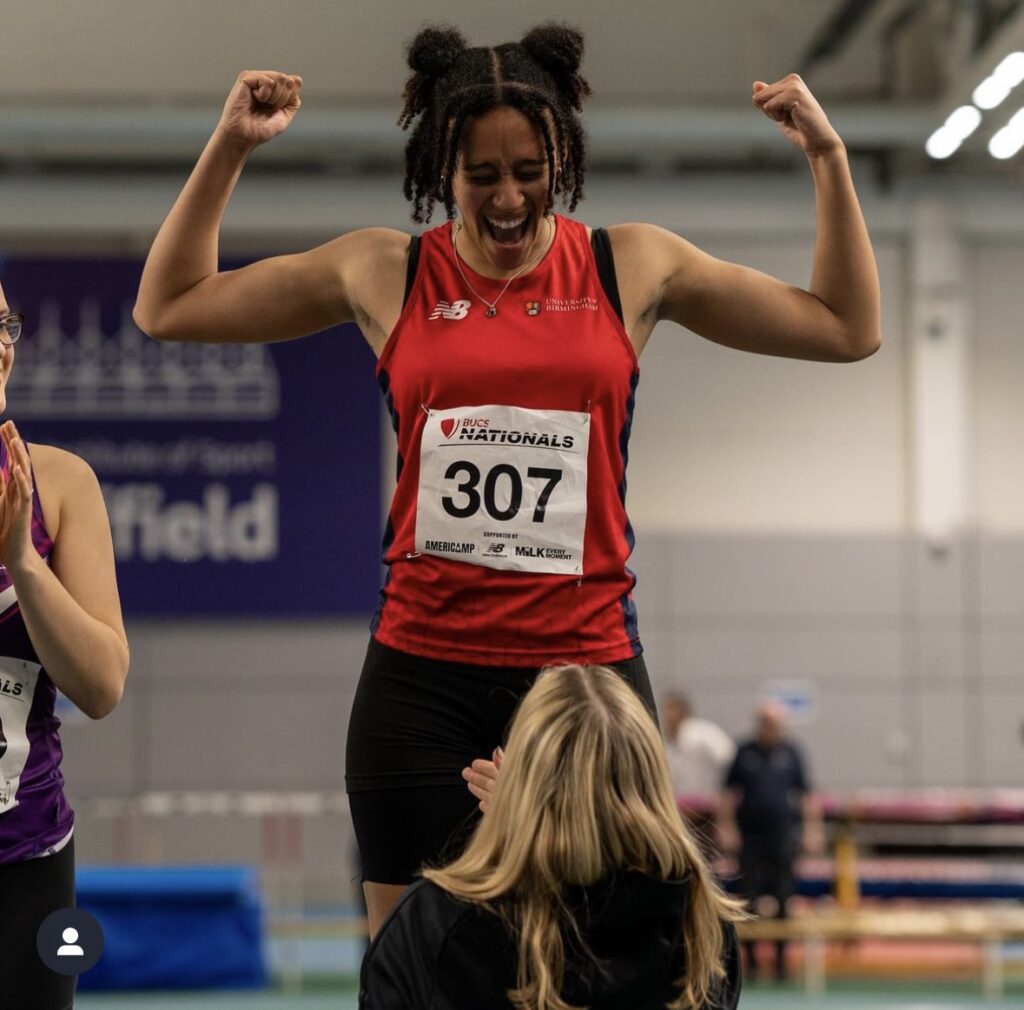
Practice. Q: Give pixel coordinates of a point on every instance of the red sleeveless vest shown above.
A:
(472, 585)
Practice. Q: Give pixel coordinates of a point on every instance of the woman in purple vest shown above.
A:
(60, 627)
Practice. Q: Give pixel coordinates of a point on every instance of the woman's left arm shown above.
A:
(71, 608)
(838, 317)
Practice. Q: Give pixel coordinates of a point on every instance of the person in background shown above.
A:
(767, 813)
(581, 886)
(699, 754)
(60, 628)
(699, 751)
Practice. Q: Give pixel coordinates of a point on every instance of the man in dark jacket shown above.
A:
(767, 811)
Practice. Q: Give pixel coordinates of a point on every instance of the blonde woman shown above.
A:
(581, 886)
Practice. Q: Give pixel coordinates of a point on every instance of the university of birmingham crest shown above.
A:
(533, 308)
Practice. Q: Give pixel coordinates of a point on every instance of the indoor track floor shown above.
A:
(753, 998)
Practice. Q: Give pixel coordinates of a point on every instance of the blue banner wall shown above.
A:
(239, 479)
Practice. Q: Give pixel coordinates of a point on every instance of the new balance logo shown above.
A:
(453, 310)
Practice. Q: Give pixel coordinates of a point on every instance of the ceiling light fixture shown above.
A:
(959, 125)
(1005, 143)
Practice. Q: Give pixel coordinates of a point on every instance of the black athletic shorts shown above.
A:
(415, 724)
(29, 891)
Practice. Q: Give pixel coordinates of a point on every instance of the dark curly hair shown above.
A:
(452, 83)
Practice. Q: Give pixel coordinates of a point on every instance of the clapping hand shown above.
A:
(15, 500)
(481, 775)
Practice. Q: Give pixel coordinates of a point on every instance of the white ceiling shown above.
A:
(132, 50)
(110, 80)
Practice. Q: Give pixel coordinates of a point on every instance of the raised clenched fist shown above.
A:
(801, 119)
(260, 106)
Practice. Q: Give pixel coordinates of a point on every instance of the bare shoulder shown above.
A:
(666, 267)
(62, 469)
(648, 244)
(380, 243)
(61, 477)
(629, 239)
(350, 257)
(361, 255)
(635, 238)
(372, 263)
(645, 257)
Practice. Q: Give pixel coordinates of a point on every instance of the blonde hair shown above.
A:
(584, 792)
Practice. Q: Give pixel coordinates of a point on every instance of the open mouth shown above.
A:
(510, 232)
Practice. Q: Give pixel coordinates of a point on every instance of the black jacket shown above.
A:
(435, 952)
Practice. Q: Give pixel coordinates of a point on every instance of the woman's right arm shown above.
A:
(183, 296)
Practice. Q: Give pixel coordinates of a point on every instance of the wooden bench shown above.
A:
(990, 926)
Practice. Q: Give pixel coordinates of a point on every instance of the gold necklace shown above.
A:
(492, 307)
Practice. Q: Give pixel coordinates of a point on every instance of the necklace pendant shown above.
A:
(491, 312)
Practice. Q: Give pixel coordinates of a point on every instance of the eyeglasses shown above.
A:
(10, 328)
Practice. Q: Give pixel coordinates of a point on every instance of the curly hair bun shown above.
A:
(558, 48)
(435, 50)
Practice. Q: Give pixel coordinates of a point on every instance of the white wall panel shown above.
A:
(855, 659)
(734, 441)
(256, 738)
(941, 753)
(102, 758)
(795, 580)
(1000, 736)
(1000, 579)
(874, 723)
(1001, 660)
(995, 274)
(943, 659)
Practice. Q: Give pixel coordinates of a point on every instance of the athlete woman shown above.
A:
(60, 627)
(507, 349)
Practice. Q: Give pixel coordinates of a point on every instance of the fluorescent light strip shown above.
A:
(1010, 70)
(1005, 143)
(959, 125)
(992, 92)
(997, 86)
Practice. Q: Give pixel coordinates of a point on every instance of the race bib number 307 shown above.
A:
(504, 487)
